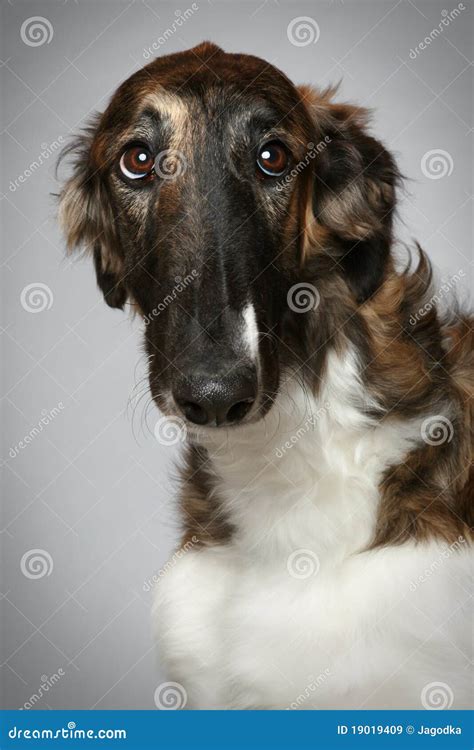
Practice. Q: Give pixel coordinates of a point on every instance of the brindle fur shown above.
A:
(332, 226)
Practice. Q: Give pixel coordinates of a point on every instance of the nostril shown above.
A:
(194, 412)
(239, 410)
(216, 399)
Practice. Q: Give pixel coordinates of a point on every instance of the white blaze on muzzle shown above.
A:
(250, 331)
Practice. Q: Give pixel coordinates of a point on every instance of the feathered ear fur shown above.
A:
(353, 191)
(87, 218)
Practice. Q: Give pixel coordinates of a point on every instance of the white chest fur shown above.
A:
(294, 613)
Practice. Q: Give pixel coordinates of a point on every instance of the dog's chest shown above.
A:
(280, 605)
(303, 480)
(295, 630)
(292, 610)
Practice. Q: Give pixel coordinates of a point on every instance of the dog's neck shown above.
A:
(307, 475)
(345, 459)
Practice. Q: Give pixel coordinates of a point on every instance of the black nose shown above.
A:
(216, 399)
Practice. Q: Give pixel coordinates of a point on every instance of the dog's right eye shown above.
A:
(137, 163)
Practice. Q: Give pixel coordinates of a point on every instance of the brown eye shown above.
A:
(272, 159)
(136, 163)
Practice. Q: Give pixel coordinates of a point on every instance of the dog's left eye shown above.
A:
(136, 163)
(272, 159)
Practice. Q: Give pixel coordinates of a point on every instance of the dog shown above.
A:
(326, 401)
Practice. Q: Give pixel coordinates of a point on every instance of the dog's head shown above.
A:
(208, 189)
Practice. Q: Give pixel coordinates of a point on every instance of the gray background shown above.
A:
(94, 489)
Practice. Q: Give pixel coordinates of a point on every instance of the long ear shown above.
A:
(87, 218)
(353, 194)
